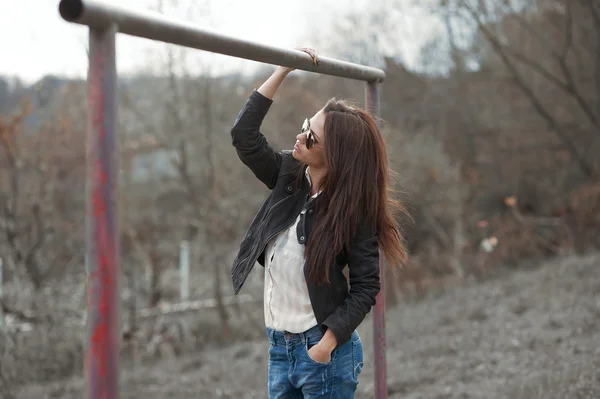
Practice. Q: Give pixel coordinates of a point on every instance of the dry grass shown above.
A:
(574, 380)
(525, 335)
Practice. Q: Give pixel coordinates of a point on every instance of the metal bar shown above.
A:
(372, 95)
(102, 251)
(155, 26)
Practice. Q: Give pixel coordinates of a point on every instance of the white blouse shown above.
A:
(287, 305)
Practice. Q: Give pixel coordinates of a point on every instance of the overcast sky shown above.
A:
(35, 41)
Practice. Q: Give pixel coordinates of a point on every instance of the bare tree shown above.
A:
(553, 42)
(41, 216)
(187, 121)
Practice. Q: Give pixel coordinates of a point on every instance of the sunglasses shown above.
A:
(311, 137)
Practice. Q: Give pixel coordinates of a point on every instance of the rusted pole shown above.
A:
(372, 94)
(102, 250)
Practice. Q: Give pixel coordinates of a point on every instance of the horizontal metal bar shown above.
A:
(155, 26)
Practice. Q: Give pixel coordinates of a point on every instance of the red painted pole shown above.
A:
(372, 94)
(102, 251)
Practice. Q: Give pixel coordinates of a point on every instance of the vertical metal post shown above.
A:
(184, 270)
(102, 252)
(372, 94)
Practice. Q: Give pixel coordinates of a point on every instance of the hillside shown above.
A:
(526, 335)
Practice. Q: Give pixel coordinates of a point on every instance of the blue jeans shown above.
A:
(293, 374)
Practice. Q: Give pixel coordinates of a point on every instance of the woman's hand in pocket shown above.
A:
(320, 353)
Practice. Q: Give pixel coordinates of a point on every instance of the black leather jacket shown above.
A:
(336, 306)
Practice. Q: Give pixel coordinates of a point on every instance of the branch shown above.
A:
(537, 67)
(29, 260)
(182, 167)
(21, 315)
(562, 61)
(10, 207)
(135, 240)
(140, 117)
(182, 164)
(595, 13)
(438, 229)
(569, 86)
(587, 169)
(568, 33)
(527, 27)
(58, 261)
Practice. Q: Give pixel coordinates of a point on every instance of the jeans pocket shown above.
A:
(307, 348)
(357, 357)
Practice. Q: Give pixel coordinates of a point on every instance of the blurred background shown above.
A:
(491, 112)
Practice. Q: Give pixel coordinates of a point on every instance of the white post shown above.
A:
(1, 308)
(184, 270)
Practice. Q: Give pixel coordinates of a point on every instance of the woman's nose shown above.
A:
(301, 137)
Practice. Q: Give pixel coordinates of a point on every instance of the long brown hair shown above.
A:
(355, 193)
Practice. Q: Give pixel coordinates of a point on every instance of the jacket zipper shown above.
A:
(263, 248)
(275, 205)
(269, 238)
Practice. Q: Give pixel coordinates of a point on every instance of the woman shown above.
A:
(329, 208)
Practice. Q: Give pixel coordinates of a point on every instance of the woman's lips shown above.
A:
(297, 148)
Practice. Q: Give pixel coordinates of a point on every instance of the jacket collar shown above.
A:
(310, 182)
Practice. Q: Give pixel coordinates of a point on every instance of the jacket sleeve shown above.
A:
(251, 146)
(363, 267)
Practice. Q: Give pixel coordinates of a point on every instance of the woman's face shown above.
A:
(309, 143)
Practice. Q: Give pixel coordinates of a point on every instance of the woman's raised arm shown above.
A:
(251, 145)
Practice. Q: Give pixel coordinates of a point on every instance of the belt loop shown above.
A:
(271, 336)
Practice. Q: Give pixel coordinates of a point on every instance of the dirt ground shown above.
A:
(524, 335)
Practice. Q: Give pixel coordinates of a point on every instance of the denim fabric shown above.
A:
(294, 374)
